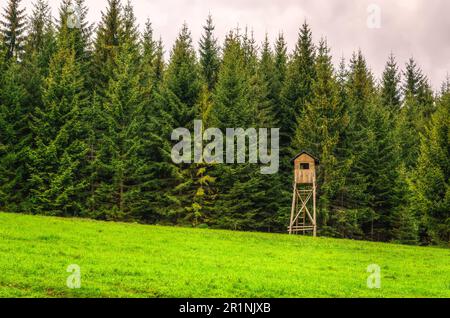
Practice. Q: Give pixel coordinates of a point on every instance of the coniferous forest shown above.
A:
(86, 115)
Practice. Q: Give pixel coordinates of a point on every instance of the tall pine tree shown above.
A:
(297, 88)
(320, 130)
(209, 54)
(120, 168)
(59, 152)
(176, 105)
(107, 43)
(430, 182)
(390, 89)
(12, 29)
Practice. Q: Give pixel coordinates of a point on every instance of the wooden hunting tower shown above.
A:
(303, 215)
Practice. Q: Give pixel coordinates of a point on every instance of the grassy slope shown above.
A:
(127, 260)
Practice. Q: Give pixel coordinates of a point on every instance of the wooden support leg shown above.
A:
(301, 205)
(294, 199)
(314, 210)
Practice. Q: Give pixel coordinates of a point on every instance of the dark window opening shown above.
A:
(304, 166)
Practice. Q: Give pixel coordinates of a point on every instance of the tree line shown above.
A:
(86, 115)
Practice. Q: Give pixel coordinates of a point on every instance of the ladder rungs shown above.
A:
(300, 228)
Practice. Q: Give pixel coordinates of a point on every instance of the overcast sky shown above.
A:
(419, 28)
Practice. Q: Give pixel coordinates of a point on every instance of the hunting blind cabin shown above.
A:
(304, 214)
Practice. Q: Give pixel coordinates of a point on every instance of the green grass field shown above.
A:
(129, 260)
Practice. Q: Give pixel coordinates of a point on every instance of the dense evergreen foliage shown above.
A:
(86, 121)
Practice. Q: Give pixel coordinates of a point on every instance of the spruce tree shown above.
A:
(20, 93)
(232, 109)
(342, 77)
(106, 44)
(417, 108)
(209, 54)
(404, 221)
(267, 85)
(238, 93)
(148, 42)
(382, 164)
(390, 89)
(406, 133)
(40, 46)
(416, 86)
(294, 95)
(250, 50)
(320, 130)
(96, 123)
(152, 61)
(200, 213)
(413, 77)
(297, 88)
(445, 87)
(389, 183)
(265, 192)
(231, 106)
(260, 74)
(130, 31)
(182, 80)
(176, 105)
(15, 138)
(280, 69)
(59, 151)
(159, 62)
(73, 20)
(40, 25)
(12, 29)
(280, 60)
(430, 182)
(360, 94)
(73, 25)
(120, 168)
(120, 165)
(83, 35)
(154, 133)
(148, 48)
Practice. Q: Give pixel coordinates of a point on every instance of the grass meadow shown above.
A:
(131, 260)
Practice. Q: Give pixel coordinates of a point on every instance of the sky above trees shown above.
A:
(416, 28)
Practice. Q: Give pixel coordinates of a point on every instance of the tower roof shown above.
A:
(304, 152)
